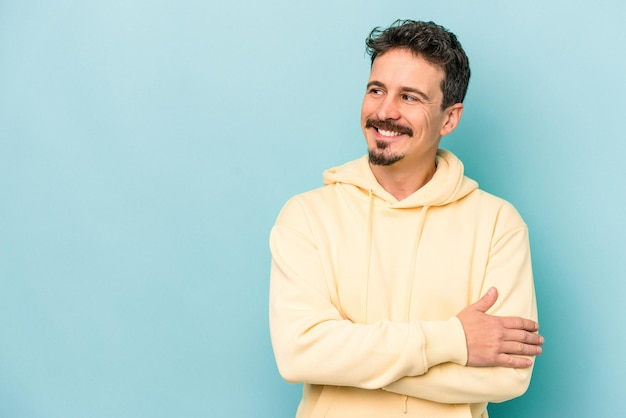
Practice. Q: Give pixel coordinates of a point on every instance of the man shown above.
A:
(399, 289)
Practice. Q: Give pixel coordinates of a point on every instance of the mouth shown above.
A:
(388, 129)
(387, 133)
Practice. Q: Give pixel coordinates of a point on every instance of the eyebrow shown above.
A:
(413, 90)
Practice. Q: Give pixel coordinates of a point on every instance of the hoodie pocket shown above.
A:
(348, 402)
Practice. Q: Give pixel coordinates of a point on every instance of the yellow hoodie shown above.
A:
(364, 291)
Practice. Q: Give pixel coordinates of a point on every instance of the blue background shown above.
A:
(146, 148)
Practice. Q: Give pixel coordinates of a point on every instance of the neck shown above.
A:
(402, 182)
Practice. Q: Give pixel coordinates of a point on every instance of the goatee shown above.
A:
(377, 156)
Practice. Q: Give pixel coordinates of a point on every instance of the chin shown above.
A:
(382, 159)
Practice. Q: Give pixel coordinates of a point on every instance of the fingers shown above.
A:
(505, 360)
(521, 349)
(498, 341)
(508, 354)
(513, 322)
(518, 343)
(487, 301)
(523, 337)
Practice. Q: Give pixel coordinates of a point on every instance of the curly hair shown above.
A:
(432, 42)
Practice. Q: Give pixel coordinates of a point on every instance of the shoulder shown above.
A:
(501, 210)
(302, 203)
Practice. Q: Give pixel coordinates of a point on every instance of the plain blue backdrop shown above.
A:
(146, 148)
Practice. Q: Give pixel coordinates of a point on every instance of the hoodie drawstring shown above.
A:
(409, 293)
(416, 244)
(368, 257)
(413, 266)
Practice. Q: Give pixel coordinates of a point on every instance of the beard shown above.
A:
(378, 155)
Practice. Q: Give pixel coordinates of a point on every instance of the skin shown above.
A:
(404, 91)
(403, 123)
(498, 341)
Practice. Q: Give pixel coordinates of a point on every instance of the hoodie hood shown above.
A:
(447, 185)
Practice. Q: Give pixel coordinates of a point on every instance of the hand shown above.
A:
(498, 341)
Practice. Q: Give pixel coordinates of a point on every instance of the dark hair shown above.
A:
(432, 42)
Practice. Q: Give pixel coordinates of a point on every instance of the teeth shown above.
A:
(388, 133)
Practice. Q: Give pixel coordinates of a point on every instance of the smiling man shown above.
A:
(399, 288)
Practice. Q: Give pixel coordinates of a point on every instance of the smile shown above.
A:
(388, 133)
(388, 129)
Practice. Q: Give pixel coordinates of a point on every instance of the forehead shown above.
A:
(402, 68)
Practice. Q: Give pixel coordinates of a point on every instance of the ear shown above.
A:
(452, 118)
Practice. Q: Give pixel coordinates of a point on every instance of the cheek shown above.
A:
(368, 107)
(425, 120)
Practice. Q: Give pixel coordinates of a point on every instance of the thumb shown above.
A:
(487, 300)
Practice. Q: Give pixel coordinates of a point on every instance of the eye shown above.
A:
(409, 98)
(376, 91)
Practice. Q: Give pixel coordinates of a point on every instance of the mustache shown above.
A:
(387, 125)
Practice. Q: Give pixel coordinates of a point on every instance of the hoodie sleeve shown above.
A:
(509, 270)
(313, 343)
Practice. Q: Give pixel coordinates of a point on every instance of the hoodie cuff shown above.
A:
(445, 342)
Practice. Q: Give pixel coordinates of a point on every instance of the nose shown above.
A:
(388, 109)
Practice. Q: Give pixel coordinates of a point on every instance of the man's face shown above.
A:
(401, 115)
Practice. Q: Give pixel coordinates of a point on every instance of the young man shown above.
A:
(400, 289)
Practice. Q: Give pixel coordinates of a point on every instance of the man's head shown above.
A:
(431, 42)
(418, 79)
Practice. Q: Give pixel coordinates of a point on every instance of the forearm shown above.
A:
(314, 341)
(453, 383)
(314, 344)
(338, 352)
(510, 272)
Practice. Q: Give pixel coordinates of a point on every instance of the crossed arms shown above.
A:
(487, 357)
